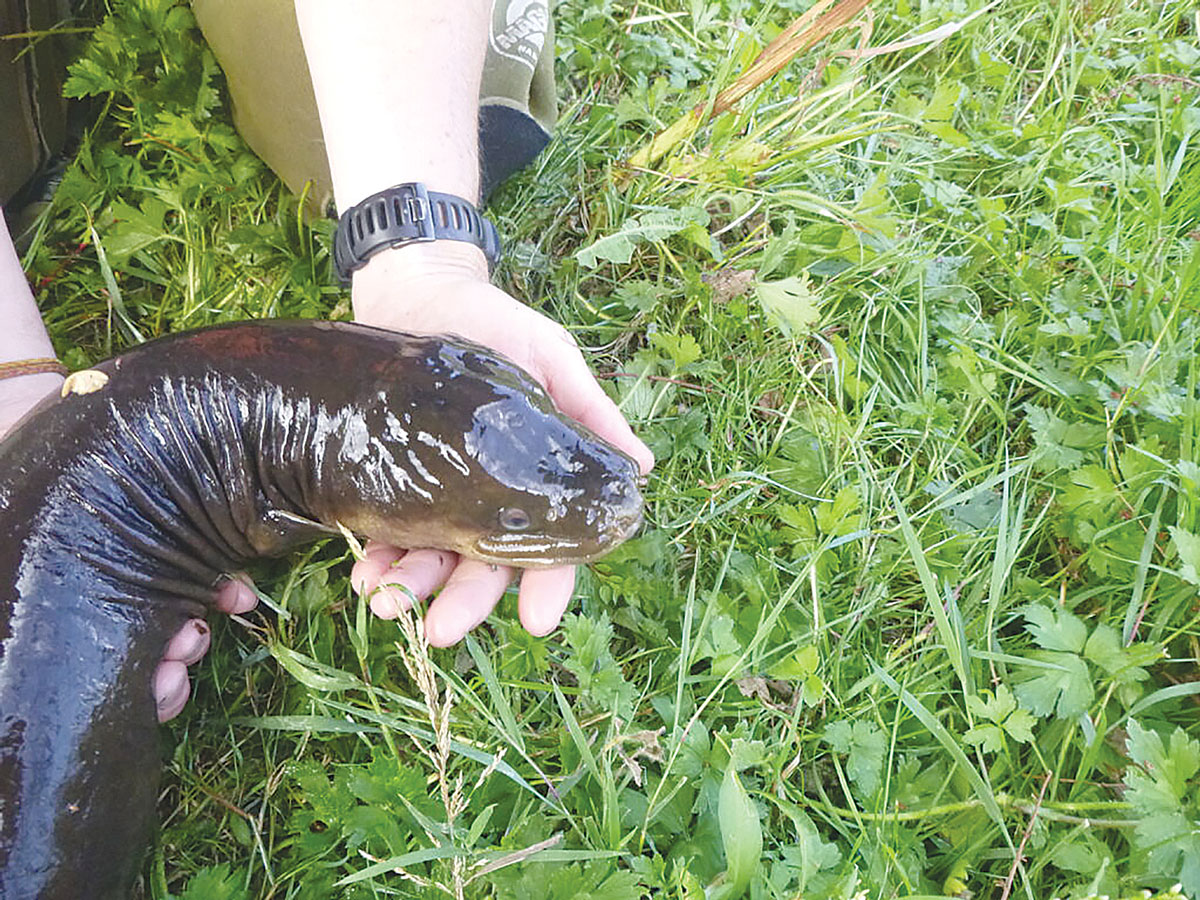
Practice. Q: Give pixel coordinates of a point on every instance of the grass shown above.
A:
(914, 336)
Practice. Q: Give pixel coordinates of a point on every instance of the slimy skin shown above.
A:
(124, 502)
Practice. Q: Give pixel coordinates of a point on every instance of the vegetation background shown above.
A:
(913, 331)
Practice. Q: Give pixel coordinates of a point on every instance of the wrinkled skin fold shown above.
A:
(122, 507)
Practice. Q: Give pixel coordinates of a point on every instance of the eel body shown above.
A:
(124, 502)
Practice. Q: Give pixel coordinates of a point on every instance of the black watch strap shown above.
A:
(408, 214)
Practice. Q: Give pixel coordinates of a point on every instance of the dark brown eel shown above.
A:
(121, 507)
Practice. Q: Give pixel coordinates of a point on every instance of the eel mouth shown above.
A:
(529, 550)
(537, 550)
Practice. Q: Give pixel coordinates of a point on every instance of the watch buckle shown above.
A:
(420, 213)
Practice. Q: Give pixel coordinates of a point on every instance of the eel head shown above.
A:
(505, 477)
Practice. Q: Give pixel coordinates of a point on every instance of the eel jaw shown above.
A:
(528, 551)
(536, 550)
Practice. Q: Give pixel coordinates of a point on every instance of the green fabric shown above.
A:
(519, 69)
(33, 114)
(257, 43)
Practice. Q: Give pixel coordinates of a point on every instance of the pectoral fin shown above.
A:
(279, 531)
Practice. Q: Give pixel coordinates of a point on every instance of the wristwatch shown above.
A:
(408, 214)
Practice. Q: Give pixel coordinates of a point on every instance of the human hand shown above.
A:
(442, 288)
(171, 687)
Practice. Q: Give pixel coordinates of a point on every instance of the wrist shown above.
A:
(405, 214)
(412, 276)
(371, 181)
(20, 394)
(422, 260)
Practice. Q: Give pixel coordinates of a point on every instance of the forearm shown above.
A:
(397, 87)
(22, 337)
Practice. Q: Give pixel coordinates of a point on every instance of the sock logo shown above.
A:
(519, 30)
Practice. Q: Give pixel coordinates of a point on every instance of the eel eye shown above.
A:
(513, 518)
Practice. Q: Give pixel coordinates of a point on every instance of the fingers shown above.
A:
(579, 395)
(544, 596)
(235, 594)
(171, 689)
(393, 578)
(470, 594)
(189, 644)
(469, 590)
(415, 576)
(474, 589)
(421, 572)
(366, 573)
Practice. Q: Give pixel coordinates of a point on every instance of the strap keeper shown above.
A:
(36, 366)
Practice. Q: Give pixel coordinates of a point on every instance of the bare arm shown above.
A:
(397, 87)
(22, 337)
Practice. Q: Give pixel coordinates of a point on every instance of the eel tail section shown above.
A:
(125, 501)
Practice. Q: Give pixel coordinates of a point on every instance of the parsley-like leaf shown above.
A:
(1061, 685)
(1061, 677)
(1187, 545)
(866, 745)
(1055, 629)
(1163, 788)
(1004, 717)
(591, 662)
(1061, 443)
(1124, 664)
(215, 883)
(593, 880)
